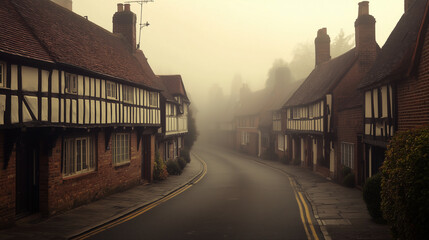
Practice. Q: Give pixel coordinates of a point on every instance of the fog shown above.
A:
(220, 46)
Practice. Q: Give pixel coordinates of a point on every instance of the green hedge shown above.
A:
(185, 154)
(371, 195)
(159, 168)
(182, 163)
(173, 167)
(405, 184)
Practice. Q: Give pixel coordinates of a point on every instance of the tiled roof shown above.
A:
(322, 79)
(396, 54)
(74, 41)
(266, 100)
(16, 37)
(252, 103)
(172, 85)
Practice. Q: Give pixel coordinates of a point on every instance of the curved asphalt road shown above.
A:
(237, 199)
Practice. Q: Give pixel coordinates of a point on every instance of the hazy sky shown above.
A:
(210, 42)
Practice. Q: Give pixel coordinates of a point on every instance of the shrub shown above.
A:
(345, 171)
(297, 161)
(349, 180)
(173, 167)
(285, 159)
(269, 154)
(159, 168)
(182, 163)
(371, 196)
(185, 154)
(405, 184)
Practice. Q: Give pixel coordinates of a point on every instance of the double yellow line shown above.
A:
(304, 212)
(134, 214)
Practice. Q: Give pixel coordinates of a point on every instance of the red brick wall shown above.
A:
(7, 187)
(347, 122)
(67, 193)
(413, 94)
(252, 146)
(350, 124)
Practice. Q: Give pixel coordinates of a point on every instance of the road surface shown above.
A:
(238, 198)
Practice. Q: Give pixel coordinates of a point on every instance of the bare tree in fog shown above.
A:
(303, 59)
(342, 44)
(279, 75)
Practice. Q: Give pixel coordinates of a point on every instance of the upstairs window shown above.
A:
(78, 155)
(170, 110)
(121, 146)
(2, 74)
(111, 90)
(280, 142)
(128, 94)
(153, 99)
(347, 152)
(71, 83)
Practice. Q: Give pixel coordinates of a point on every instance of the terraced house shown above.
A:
(174, 115)
(322, 119)
(79, 108)
(397, 86)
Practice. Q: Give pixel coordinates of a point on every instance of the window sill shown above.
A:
(121, 165)
(111, 98)
(78, 175)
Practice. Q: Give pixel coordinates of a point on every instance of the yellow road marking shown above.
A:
(145, 209)
(301, 213)
(306, 219)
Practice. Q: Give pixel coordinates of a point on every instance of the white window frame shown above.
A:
(280, 142)
(2, 75)
(121, 148)
(127, 94)
(111, 90)
(76, 159)
(153, 99)
(71, 83)
(244, 138)
(347, 154)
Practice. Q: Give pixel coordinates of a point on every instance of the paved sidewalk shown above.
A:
(340, 211)
(89, 216)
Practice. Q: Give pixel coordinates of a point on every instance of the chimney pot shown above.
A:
(127, 7)
(363, 8)
(323, 46)
(366, 46)
(120, 7)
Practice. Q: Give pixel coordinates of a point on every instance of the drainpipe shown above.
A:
(260, 145)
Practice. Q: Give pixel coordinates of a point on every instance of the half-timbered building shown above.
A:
(320, 117)
(79, 108)
(396, 89)
(174, 115)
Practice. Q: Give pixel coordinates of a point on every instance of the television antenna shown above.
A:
(141, 25)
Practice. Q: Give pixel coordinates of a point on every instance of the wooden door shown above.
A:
(27, 176)
(146, 158)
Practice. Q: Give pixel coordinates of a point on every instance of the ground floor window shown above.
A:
(121, 146)
(175, 148)
(78, 155)
(347, 150)
(280, 142)
(244, 138)
(179, 142)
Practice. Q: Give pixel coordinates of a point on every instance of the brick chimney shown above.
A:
(366, 46)
(323, 46)
(407, 4)
(124, 22)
